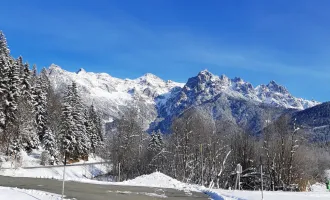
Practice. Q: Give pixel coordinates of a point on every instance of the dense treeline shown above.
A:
(205, 151)
(33, 116)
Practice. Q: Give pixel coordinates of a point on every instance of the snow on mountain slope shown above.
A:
(152, 95)
(271, 93)
(110, 94)
(148, 86)
(205, 86)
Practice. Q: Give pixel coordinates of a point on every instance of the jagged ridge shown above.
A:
(156, 97)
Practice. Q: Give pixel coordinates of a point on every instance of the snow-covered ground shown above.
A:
(22, 194)
(160, 180)
(76, 173)
(156, 179)
(256, 195)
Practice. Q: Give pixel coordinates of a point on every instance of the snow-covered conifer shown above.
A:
(82, 139)
(67, 140)
(41, 106)
(49, 143)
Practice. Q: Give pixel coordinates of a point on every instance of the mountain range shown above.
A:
(159, 101)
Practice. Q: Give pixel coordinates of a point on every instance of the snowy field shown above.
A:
(160, 180)
(256, 195)
(75, 173)
(21, 194)
(156, 179)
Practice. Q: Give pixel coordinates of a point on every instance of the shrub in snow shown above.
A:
(18, 160)
(44, 158)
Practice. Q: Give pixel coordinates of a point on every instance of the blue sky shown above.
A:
(285, 41)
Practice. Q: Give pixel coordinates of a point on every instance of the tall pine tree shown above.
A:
(26, 111)
(11, 109)
(4, 89)
(83, 142)
(67, 137)
(41, 105)
(49, 144)
(94, 129)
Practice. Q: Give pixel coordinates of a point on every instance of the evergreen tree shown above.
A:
(153, 143)
(67, 132)
(26, 88)
(160, 140)
(41, 105)
(34, 78)
(4, 50)
(90, 131)
(98, 125)
(11, 113)
(8, 94)
(26, 111)
(156, 142)
(95, 129)
(4, 90)
(49, 143)
(83, 142)
(20, 66)
(14, 146)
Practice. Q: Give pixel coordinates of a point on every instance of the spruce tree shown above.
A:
(41, 106)
(4, 50)
(89, 126)
(26, 111)
(7, 97)
(49, 143)
(156, 142)
(11, 109)
(95, 129)
(160, 140)
(83, 142)
(4, 90)
(67, 138)
(153, 143)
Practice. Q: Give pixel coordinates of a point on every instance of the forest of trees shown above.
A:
(33, 116)
(205, 151)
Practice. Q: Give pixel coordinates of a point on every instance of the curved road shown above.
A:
(86, 191)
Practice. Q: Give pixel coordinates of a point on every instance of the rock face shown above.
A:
(316, 120)
(158, 101)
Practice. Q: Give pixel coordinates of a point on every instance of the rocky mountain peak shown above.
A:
(202, 80)
(81, 70)
(205, 75)
(237, 80)
(54, 66)
(150, 79)
(224, 80)
(274, 87)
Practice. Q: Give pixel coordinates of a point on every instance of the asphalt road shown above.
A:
(85, 191)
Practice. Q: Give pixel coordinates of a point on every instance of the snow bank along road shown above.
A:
(85, 191)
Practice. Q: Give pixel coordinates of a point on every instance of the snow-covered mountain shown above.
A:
(231, 100)
(110, 95)
(155, 97)
(205, 86)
